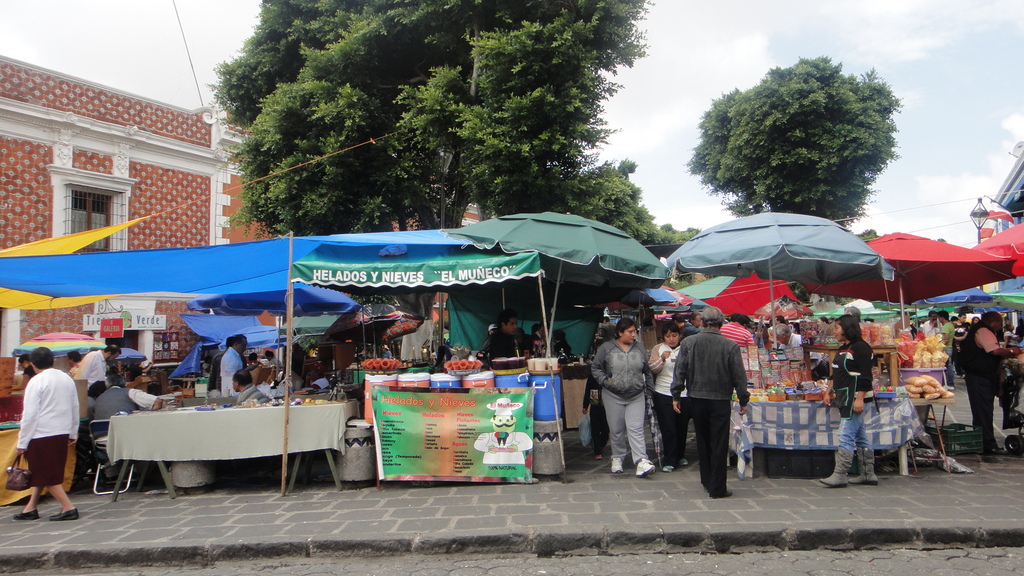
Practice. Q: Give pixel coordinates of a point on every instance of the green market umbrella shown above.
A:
(571, 248)
(872, 312)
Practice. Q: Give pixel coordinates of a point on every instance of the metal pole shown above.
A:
(554, 304)
(554, 399)
(289, 303)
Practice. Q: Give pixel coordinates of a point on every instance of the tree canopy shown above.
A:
(807, 139)
(447, 102)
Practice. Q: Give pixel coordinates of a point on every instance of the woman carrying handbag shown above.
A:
(49, 425)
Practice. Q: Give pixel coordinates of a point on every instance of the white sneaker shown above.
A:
(644, 468)
(616, 465)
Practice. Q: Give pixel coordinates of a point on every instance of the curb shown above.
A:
(543, 542)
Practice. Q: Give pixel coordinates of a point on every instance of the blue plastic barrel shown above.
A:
(512, 380)
(545, 395)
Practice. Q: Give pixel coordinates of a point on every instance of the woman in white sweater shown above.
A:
(49, 425)
(673, 425)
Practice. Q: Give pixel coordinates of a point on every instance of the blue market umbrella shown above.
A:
(308, 301)
(968, 296)
(131, 356)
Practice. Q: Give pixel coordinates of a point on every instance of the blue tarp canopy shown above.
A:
(221, 269)
(308, 301)
(214, 330)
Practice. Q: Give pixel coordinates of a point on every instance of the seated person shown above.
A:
(318, 381)
(118, 399)
(242, 383)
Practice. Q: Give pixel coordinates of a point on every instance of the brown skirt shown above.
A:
(47, 458)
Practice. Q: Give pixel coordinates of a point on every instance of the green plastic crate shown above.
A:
(958, 438)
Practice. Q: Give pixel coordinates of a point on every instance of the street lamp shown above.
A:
(979, 215)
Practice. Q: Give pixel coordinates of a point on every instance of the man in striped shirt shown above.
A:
(736, 330)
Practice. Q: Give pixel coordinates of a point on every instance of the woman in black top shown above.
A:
(851, 381)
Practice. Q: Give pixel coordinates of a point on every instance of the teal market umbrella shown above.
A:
(777, 245)
(792, 247)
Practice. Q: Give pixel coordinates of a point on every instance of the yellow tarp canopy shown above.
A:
(49, 246)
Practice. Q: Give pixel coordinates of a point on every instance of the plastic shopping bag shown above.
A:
(585, 437)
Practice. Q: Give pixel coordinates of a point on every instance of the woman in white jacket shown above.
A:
(673, 425)
(49, 425)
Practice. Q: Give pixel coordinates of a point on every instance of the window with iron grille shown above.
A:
(89, 210)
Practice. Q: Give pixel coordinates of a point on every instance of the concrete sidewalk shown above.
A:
(596, 512)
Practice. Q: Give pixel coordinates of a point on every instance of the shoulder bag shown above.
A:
(18, 479)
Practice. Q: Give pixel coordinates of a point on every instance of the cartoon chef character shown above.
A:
(504, 445)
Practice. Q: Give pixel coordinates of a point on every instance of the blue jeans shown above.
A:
(851, 432)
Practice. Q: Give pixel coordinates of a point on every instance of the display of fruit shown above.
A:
(381, 364)
(460, 365)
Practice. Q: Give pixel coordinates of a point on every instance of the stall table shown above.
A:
(225, 434)
(928, 413)
(889, 354)
(803, 425)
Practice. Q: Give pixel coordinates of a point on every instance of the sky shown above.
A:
(954, 65)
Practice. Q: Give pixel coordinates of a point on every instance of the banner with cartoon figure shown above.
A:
(460, 434)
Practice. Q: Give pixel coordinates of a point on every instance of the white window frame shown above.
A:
(66, 180)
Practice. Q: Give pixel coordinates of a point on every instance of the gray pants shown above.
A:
(626, 425)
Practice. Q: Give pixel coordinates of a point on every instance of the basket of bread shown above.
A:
(926, 387)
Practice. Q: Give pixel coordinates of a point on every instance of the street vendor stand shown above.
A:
(888, 358)
(204, 434)
(806, 425)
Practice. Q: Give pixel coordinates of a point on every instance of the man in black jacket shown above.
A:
(710, 369)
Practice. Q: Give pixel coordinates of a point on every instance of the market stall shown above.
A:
(811, 425)
(567, 258)
(208, 434)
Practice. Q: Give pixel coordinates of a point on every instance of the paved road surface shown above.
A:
(953, 562)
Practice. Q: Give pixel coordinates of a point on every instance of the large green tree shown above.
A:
(808, 139)
(512, 92)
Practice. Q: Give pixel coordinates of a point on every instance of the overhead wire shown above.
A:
(188, 53)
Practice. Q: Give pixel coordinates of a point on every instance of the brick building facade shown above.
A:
(76, 155)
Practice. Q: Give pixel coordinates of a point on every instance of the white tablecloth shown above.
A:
(227, 433)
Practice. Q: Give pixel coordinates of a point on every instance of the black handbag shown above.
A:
(18, 479)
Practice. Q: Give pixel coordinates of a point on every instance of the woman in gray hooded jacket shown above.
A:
(620, 367)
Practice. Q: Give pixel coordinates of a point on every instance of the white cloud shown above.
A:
(1014, 124)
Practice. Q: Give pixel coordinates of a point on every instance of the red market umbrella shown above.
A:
(743, 295)
(924, 268)
(1007, 244)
